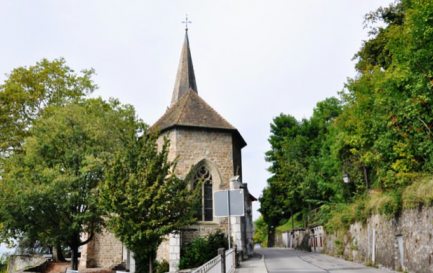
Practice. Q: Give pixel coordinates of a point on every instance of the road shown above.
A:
(283, 260)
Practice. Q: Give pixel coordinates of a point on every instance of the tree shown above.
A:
(379, 134)
(49, 192)
(302, 174)
(260, 232)
(144, 199)
(385, 131)
(29, 90)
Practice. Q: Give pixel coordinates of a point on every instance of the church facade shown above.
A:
(208, 150)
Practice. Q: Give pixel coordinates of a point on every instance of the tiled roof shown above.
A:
(191, 110)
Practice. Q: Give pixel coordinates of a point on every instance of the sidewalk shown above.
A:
(255, 264)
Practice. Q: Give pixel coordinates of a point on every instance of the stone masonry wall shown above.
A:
(198, 230)
(105, 250)
(221, 153)
(403, 243)
(191, 146)
(163, 252)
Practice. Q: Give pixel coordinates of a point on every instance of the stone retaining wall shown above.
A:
(404, 243)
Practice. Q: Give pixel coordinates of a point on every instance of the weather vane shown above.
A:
(186, 22)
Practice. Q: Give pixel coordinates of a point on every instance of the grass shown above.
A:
(375, 202)
(297, 220)
(420, 193)
(337, 218)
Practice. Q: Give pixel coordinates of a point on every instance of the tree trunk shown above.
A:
(58, 253)
(367, 184)
(150, 264)
(271, 236)
(74, 258)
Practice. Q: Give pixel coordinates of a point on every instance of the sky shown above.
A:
(253, 59)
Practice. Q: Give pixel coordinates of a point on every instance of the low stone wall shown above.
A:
(311, 239)
(20, 263)
(403, 243)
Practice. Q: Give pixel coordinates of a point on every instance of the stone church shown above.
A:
(208, 148)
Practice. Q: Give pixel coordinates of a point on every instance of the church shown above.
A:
(208, 149)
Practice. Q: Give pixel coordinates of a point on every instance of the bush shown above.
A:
(3, 264)
(420, 193)
(260, 232)
(162, 266)
(200, 250)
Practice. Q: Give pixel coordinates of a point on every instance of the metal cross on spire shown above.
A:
(186, 22)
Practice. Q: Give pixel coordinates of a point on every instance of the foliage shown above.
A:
(29, 90)
(3, 264)
(144, 199)
(375, 202)
(301, 165)
(260, 232)
(162, 266)
(420, 193)
(202, 249)
(49, 191)
(387, 120)
(378, 133)
(294, 222)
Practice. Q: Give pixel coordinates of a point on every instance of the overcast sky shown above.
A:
(253, 59)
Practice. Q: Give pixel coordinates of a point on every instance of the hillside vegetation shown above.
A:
(376, 135)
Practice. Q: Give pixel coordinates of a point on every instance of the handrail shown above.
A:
(205, 267)
(217, 260)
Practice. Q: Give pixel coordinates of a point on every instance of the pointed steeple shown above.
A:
(185, 78)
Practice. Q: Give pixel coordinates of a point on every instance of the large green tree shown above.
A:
(380, 135)
(144, 199)
(49, 191)
(301, 165)
(28, 90)
(385, 131)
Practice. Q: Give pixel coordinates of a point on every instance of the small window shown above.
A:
(204, 178)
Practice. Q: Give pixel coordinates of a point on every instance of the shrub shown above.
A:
(162, 266)
(202, 249)
(261, 232)
(420, 193)
(3, 264)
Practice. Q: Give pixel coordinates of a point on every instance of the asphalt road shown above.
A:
(283, 260)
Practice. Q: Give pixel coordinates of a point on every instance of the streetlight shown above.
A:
(346, 178)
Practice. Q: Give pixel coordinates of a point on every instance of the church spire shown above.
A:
(185, 78)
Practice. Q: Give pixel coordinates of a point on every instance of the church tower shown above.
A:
(207, 148)
(198, 134)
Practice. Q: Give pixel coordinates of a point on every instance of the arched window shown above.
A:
(204, 178)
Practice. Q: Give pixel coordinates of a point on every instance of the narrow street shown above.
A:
(281, 260)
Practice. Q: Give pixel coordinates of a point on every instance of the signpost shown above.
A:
(229, 203)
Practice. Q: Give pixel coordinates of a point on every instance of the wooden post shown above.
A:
(222, 253)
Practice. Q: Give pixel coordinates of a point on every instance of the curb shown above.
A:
(264, 263)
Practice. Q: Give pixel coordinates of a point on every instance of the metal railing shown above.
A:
(223, 263)
(230, 260)
(213, 266)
